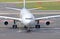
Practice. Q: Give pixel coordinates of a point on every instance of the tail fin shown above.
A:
(24, 2)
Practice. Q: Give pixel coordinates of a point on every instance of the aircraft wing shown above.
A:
(47, 17)
(11, 18)
(13, 8)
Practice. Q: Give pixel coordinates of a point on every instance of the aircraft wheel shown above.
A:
(37, 26)
(25, 27)
(29, 30)
(14, 26)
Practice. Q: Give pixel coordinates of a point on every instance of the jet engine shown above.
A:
(6, 23)
(47, 22)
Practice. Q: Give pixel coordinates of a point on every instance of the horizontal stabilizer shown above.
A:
(12, 8)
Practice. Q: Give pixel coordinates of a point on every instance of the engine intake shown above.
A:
(5, 23)
(47, 23)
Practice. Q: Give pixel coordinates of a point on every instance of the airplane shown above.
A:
(27, 18)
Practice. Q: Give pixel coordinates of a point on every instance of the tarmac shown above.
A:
(45, 32)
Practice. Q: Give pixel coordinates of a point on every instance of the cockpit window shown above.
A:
(28, 18)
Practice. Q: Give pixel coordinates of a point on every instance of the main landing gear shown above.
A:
(14, 26)
(38, 25)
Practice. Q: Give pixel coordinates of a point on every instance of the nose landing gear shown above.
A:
(28, 29)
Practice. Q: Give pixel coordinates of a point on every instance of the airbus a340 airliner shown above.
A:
(27, 18)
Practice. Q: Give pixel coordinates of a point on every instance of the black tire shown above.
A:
(14, 26)
(25, 27)
(37, 26)
(29, 30)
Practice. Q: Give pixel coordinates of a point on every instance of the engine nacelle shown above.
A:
(6, 23)
(48, 23)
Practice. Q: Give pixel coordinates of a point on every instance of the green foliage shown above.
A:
(44, 5)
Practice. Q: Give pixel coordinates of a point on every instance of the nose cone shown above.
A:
(27, 22)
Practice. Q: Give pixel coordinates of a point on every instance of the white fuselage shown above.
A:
(27, 17)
